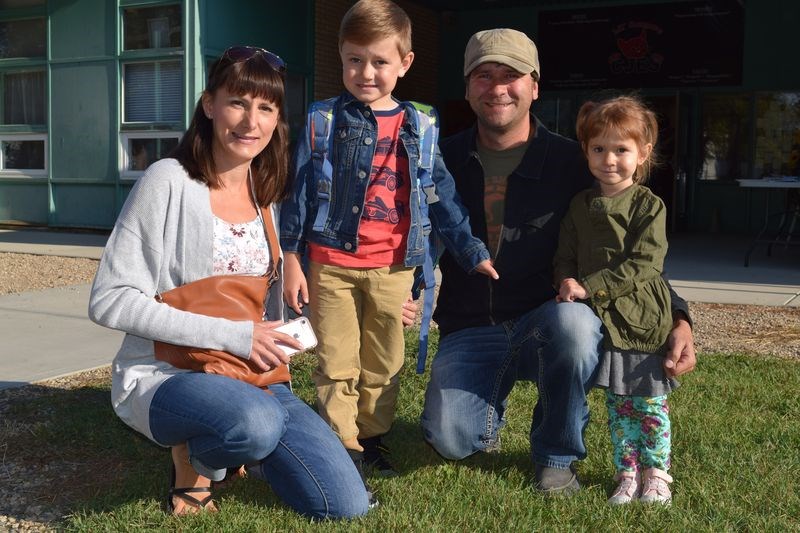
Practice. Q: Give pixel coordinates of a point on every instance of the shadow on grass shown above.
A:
(412, 452)
(67, 453)
(64, 449)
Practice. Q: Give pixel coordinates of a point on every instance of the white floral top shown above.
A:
(240, 248)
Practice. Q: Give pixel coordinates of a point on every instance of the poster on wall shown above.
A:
(682, 44)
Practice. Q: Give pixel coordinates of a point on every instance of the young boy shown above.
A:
(363, 253)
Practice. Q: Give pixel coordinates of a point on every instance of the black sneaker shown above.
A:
(358, 460)
(375, 453)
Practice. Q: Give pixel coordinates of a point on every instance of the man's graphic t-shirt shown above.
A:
(497, 166)
(385, 220)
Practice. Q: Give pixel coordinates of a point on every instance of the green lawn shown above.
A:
(736, 464)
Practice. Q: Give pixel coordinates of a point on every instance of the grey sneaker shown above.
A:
(556, 481)
(358, 460)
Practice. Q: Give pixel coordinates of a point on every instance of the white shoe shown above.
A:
(656, 487)
(627, 490)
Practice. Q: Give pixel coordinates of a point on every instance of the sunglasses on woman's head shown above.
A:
(244, 53)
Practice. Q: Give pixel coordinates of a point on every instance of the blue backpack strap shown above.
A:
(320, 124)
(428, 127)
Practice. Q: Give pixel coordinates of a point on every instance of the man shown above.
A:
(516, 179)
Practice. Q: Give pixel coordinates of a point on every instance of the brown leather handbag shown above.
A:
(233, 297)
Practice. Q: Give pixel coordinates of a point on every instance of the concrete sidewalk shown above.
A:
(46, 334)
(42, 242)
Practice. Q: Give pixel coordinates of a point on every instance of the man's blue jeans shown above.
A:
(227, 423)
(555, 345)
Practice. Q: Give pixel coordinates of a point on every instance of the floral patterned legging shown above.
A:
(640, 431)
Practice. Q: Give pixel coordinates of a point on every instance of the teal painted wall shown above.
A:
(281, 27)
(84, 127)
(84, 131)
(84, 188)
(24, 201)
(81, 29)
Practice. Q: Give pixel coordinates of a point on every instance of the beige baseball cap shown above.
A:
(505, 46)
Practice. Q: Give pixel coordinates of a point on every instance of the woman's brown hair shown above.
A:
(270, 168)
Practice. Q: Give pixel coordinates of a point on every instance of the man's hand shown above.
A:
(570, 290)
(409, 311)
(485, 267)
(681, 357)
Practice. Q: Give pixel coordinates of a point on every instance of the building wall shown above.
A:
(83, 186)
(84, 113)
(770, 35)
(86, 182)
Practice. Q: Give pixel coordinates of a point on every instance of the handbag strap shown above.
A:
(269, 230)
(274, 247)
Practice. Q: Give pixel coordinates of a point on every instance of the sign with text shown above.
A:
(697, 43)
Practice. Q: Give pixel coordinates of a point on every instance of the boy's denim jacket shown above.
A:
(354, 140)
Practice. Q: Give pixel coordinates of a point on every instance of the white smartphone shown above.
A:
(300, 329)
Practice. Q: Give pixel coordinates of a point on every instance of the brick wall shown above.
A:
(420, 83)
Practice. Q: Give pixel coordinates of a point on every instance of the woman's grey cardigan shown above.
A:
(162, 239)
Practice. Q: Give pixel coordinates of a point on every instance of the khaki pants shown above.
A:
(356, 313)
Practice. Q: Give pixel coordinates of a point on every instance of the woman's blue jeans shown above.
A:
(228, 423)
(555, 345)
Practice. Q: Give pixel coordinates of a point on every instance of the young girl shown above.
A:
(610, 254)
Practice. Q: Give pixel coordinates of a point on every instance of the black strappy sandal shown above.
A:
(184, 494)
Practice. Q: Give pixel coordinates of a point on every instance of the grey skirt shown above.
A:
(633, 373)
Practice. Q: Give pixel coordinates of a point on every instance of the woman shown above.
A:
(192, 217)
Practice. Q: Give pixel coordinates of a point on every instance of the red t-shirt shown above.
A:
(385, 220)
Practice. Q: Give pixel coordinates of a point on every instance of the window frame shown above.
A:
(123, 5)
(23, 14)
(24, 172)
(20, 64)
(4, 72)
(159, 129)
(124, 154)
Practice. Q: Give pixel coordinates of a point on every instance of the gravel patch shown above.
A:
(33, 497)
(27, 272)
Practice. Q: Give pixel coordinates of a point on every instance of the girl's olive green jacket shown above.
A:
(615, 248)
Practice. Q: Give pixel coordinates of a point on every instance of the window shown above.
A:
(23, 154)
(23, 38)
(725, 136)
(777, 135)
(152, 27)
(152, 84)
(558, 114)
(153, 92)
(23, 89)
(141, 149)
(24, 99)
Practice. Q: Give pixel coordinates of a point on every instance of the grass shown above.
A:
(736, 458)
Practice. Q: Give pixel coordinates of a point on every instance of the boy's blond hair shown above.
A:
(373, 20)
